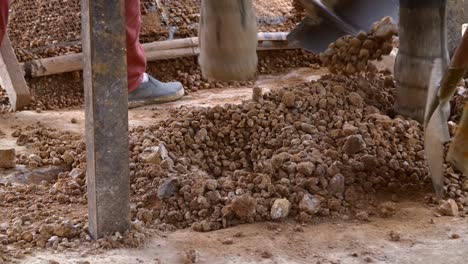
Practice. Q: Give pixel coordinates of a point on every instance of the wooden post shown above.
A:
(12, 77)
(106, 103)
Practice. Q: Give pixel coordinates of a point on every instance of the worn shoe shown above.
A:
(155, 92)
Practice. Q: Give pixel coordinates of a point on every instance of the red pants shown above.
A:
(136, 59)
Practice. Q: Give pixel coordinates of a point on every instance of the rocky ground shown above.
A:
(42, 29)
(305, 152)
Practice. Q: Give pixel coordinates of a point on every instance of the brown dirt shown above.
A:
(230, 188)
(423, 238)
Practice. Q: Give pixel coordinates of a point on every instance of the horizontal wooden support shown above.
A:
(159, 50)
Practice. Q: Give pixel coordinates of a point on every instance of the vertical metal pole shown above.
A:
(106, 96)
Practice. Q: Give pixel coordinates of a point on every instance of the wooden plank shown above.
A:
(106, 102)
(12, 77)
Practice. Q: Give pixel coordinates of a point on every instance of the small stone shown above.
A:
(213, 197)
(228, 241)
(77, 173)
(68, 158)
(67, 230)
(354, 144)
(299, 229)
(22, 140)
(73, 120)
(363, 216)
(306, 168)
(155, 155)
(310, 204)
(27, 236)
(387, 209)
(448, 208)
(211, 185)
(266, 255)
(257, 94)
(350, 69)
(244, 207)
(280, 209)
(465, 186)
(167, 189)
(16, 133)
(349, 129)
(289, 99)
(356, 100)
(385, 28)
(191, 256)
(7, 158)
(337, 184)
(455, 236)
(370, 162)
(395, 237)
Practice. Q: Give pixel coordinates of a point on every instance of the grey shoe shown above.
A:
(155, 92)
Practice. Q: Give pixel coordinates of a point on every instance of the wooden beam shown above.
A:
(159, 50)
(12, 77)
(106, 104)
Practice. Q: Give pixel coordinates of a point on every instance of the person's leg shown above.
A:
(143, 89)
(136, 59)
(3, 18)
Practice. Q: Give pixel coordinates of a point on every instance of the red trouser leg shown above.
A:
(136, 59)
(3, 18)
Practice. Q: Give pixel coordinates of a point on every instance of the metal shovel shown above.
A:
(347, 17)
(437, 113)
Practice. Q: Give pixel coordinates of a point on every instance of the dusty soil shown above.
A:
(414, 235)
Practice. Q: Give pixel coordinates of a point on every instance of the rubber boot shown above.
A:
(228, 40)
(423, 39)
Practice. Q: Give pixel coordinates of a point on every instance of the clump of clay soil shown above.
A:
(352, 54)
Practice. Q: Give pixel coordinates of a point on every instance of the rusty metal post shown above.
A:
(106, 102)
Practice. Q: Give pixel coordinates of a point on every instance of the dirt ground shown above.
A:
(413, 235)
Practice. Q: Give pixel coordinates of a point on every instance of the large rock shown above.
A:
(448, 208)
(7, 158)
(280, 209)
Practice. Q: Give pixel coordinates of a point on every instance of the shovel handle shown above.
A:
(460, 58)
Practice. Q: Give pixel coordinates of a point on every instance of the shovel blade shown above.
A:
(458, 153)
(357, 14)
